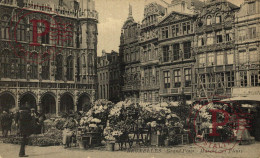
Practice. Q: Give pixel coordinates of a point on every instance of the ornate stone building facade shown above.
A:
(60, 84)
(108, 70)
(247, 60)
(177, 62)
(247, 40)
(215, 48)
(129, 57)
(200, 49)
(149, 52)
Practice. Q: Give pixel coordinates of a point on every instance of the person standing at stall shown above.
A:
(25, 127)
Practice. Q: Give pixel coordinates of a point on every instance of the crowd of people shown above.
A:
(9, 122)
(25, 121)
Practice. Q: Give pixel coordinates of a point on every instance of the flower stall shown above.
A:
(92, 123)
(144, 123)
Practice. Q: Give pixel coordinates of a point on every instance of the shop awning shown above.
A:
(243, 98)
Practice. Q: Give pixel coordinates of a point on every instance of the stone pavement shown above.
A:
(189, 151)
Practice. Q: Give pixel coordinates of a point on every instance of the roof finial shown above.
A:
(130, 11)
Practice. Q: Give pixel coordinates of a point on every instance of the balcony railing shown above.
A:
(89, 14)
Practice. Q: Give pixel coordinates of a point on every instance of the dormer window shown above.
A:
(209, 20)
(218, 19)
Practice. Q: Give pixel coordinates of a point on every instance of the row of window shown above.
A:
(150, 53)
(228, 79)
(211, 59)
(218, 38)
(247, 33)
(217, 80)
(177, 51)
(112, 75)
(106, 91)
(130, 57)
(209, 19)
(148, 96)
(221, 58)
(176, 78)
(151, 77)
(62, 35)
(253, 76)
(13, 66)
(177, 30)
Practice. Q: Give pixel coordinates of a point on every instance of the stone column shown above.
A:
(75, 103)
(57, 105)
(17, 101)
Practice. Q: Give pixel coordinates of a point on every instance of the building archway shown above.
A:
(30, 99)
(66, 103)
(7, 101)
(84, 103)
(48, 104)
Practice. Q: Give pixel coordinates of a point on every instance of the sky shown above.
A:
(113, 14)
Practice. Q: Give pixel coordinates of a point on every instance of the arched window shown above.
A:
(218, 18)
(209, 20)
(5, 63)
(59, 67)
(21, 32)
(4, 27)
(33, 69)
(69, 68)
(21, 65)
(46, 67)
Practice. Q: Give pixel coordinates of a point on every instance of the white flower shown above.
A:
(168, 116)
(153, 124)
(92, 125)
(95, 120)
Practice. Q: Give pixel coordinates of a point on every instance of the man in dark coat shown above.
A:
(25, 128)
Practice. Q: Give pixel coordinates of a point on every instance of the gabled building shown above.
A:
(108, 70)
(176, 36)
(214, 46)
(247, 61)
(247, 40)
(129, 56)
(149, 52)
